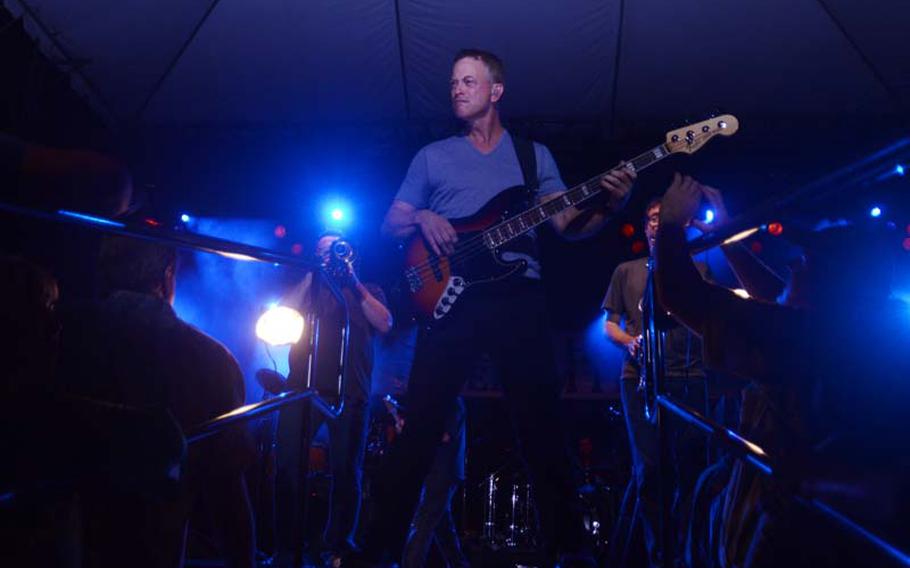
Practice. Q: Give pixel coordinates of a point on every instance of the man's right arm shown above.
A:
(403, 219)
(614, 306)
(399, 222)
(618, 336)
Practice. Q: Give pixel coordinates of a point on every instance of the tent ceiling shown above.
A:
(275, 62)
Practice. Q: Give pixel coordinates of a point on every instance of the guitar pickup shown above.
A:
(413, 279)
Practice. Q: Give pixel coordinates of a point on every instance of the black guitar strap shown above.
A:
(527, 159)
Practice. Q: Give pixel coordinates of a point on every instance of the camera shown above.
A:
(340, 258)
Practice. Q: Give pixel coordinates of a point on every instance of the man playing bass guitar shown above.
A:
(504, 317)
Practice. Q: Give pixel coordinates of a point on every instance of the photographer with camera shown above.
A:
(348, 433)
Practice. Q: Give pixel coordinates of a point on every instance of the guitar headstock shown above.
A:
(691, 138)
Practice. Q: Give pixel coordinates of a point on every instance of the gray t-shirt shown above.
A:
(454, 179)
(683, 350)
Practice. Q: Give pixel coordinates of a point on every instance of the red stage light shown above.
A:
(906, 244)
(638, 247)
(297, 248)
(756, 247)
(908, 229)
(775, 229)
(627, 230)
(152, 222)
(280, 231)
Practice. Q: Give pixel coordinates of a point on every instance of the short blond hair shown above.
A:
(492, 62)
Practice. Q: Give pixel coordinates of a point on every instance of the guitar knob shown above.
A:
(439, 311)
(675, 138)
(690, 136)
(458, 281)
(450, 291)
(705, 128)
(445, 301)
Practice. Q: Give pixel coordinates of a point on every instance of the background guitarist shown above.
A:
(451, 178)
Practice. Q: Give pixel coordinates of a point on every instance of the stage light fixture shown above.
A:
(279, 325)
(709, 216)
(875, 212)
(184, 218)
(337, 213)
(899, 169)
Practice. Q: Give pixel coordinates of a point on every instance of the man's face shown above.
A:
(472, 89)
(652, 222)
(324, 247)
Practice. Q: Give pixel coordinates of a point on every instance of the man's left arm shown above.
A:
(754, 276)
(582, 222)
(679, 285)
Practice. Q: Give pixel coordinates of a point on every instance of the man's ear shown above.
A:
(497, 91)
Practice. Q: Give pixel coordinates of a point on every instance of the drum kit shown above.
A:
(509, 514)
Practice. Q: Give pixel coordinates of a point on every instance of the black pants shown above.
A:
(509, 323)
(433, 518)
(347, 443)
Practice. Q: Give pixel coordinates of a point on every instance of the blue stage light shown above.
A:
(709, 216)
(185, 218)
(899, 169)
(337, 214)
(875, 211)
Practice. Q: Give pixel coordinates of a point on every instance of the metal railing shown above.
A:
(250, 411)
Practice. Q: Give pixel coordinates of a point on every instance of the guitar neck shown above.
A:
(520, 224)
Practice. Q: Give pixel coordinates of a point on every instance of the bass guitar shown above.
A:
(435, 283)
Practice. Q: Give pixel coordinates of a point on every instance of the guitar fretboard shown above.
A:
(520, 224)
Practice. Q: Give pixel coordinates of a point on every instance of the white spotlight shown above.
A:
(280, 325)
